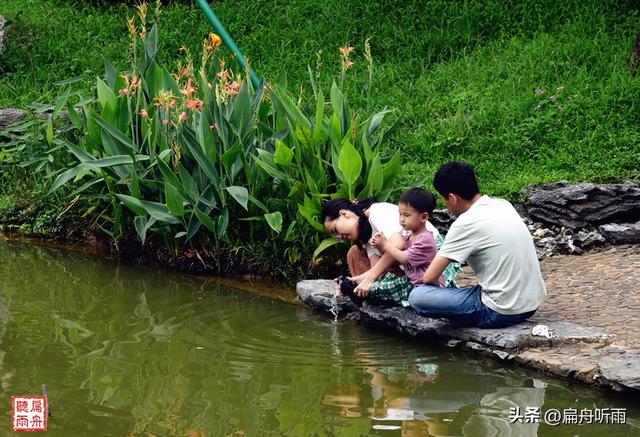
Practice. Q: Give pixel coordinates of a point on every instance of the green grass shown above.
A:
(462, 74)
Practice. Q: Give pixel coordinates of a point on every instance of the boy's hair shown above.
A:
(458, 178)
(419, 199)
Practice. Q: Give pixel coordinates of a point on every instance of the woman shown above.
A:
(358, 221)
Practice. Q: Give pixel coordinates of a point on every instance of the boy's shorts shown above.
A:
(391, 289)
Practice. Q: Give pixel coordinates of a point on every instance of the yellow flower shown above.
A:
(213, 42)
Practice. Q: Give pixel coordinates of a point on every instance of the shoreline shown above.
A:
(576, 352)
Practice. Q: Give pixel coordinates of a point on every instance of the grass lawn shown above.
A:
(529, 92)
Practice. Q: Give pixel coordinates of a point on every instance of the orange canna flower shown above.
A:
(188, 90)
(194, 103)
(213, 42)
(232, 88)
(345, 51)
(144, 113)
(124, 91)
(182, 116)
(224, 74)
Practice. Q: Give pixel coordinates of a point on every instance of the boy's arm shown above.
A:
(435, 269)
(366, 279)
(393, 248)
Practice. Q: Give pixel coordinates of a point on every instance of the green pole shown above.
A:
(227, 39)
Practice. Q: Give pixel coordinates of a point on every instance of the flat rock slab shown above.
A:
(623, 369)
(321, 294)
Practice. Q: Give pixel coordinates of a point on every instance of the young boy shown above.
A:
(415, 207)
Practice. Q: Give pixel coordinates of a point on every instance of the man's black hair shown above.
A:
(419, 199)
(458, 178)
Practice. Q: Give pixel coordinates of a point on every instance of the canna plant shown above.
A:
(171, 148)
(199, 157)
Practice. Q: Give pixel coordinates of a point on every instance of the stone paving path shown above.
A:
(599, 289)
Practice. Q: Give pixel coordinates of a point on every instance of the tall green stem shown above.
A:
(228, 40)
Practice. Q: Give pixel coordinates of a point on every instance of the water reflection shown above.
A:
(131, 351)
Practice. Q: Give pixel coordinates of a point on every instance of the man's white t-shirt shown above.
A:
(385, 217)
(493, 239)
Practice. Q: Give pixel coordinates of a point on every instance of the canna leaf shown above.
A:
(142, 224)
(174, 199)
(223, 222)
(205, 219)
(324, 244)
(158, 211)
(349, 162)
(151, 43)
(283, 155)
(240, 194)
(106, 96)
(274, 219)
(189, 140)
(376, 176)
(115, 134)
(66, 176)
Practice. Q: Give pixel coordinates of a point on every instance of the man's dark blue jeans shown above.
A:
(460, 305)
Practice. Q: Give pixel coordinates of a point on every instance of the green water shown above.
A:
(135, 351)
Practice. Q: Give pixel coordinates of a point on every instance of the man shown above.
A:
(490, 236)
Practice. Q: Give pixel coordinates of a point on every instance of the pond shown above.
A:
(127, 350)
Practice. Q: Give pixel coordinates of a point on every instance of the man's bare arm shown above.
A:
(435, 269)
